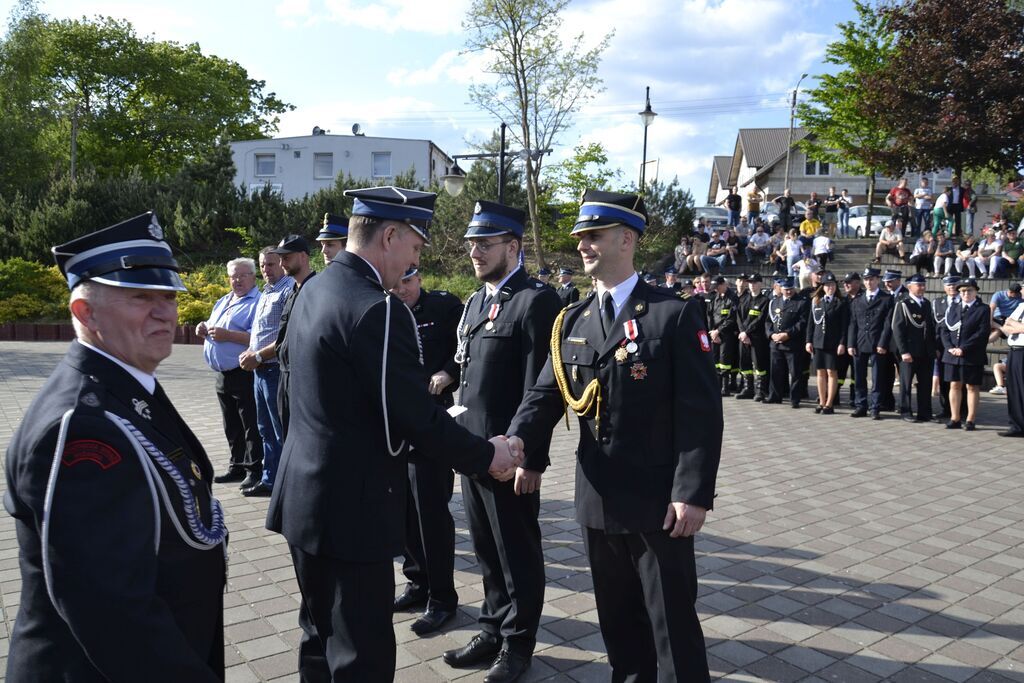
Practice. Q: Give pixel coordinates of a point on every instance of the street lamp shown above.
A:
(792, 115)
(455, 180)
(647, 116)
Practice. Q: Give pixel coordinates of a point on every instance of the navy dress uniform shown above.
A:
(122, 545)
(296, 243)
(827, 327)
(567, 292)
(966, 327)
(787, 314)
(724, 318)
(341, 490)
(429, 564)
(754, 355)
(845, 361)
(913, 333)
(503, 344)
(940, 307)
(889, 362)
(654, 366)
(870, 329)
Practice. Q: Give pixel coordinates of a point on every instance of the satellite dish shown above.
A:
(356, 129)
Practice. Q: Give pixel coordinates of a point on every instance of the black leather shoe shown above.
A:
(795, 405)
(260, 490)
(909, 417)
(432, 620)
(233, 474)
(481, 649)
(1010, 433)
(859, 412)
(828, 410)
(953, 424)
(410, 599)
(773, 401)
(876, 415)
(507, 667)
(251, 480)
(968, 426)
(818, 408)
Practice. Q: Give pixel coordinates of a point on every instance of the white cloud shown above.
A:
(391, 16)
(295, 13)
(163, 22)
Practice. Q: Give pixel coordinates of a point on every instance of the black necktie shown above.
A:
(607, 313)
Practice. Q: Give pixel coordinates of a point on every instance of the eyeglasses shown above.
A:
(239, 276)
(482, 247)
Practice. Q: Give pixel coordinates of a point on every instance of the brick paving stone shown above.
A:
(900, 561)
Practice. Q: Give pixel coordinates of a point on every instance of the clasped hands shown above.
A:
(509, 452)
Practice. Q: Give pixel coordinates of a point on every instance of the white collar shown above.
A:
(490, 289)
(619, 292)
(376, 272)
(147, 381)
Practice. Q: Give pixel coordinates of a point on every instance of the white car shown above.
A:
(770, 214)
(880, 215)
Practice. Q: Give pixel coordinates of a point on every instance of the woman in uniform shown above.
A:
(826, 331)
(965, 333)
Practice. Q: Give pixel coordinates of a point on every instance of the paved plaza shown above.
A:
(839, 550)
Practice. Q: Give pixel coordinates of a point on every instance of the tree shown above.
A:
(539, 83)
(669, 215)
(955, 100)
(566, 181)
(842, 132)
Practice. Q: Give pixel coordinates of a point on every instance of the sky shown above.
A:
(398, 67)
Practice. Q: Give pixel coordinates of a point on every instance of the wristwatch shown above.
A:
(259, 358)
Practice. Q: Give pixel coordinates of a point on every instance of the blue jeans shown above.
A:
(267, 419)
(712, 264)
(734, 218)
(970, 222)
(923, 219)
(844, 222)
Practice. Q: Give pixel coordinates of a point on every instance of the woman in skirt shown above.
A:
(825, 334)
(965, 333)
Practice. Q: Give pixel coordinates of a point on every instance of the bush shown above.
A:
(460, 285)
(205, 286)
(32, 292)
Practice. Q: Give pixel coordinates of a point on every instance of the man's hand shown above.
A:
(213, 332)
(956, 352)
(716, 337)
(853, 351)
(881, 350)
(503, 465)
(907, 358)
(439, 381)
(201, 329)
(247, 360)
(745, 338)
(527, 481)
(518, 448)
(809, 347)
(684, 519)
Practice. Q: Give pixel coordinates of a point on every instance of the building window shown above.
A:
(381, 164)
(816, 167)
(323, 165)
(265, 164)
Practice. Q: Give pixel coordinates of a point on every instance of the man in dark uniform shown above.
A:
(786, 324)
(544, 276)
(503, 343)
(892, 282)
(341, 490)
(853, 288)
(652, 280)
(754, 352)
(670, 279)
(121, 541)
(913, 342)
(867, 340)
(939, 308)
(567, 291)
(333, 236)
(723, 328)
(430, 531)
(630, 357)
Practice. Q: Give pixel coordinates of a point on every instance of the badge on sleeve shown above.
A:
(705, 341)
(88, 450)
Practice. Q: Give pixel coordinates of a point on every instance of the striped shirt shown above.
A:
(268, 313)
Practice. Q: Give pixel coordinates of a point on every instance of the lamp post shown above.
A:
(647, 116)
(792, 115)
(455, 180)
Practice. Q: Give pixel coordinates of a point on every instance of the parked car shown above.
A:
(715, 217)
(880, 215)
(770, 214)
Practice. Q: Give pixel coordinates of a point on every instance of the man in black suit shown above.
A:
(786, 325)
(913, 342)
(341, 491)
(867, 340)
(503, 344)
(121, 541)
(430, 530)
(567, 291)
(625, 359)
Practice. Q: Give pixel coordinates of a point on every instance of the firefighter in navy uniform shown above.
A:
(853, 288)
(723, 327)
(567, 291)
(122, 555)
(787, 320)
(430, 530)
(868, 338)
(940, 307)
(754, 352)
(913, 344)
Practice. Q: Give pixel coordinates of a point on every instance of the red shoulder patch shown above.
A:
(87, 450)
(705, 342)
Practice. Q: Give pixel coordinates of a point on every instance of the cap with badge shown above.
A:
(719, 280)
(788, 282)
(753, 277)
(292, 244)
(685, 282)
(828, 277)
(607, 209)
(780, 279)
(649, 277)
(335, 228)
(968, 283)
(851, 277)
(129, 254)
(871, 272)
(670, 271)
(491, 219)
(916, 279)
(544, 271)
(412, 207)
(892, 276)
(951, 280)
(565, 271)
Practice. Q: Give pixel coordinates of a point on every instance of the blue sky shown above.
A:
(396, 66)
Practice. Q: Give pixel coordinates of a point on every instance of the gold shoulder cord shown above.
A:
(591, 397)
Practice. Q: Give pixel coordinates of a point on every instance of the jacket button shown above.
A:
(605, 439)
(603, 364)
(574, 357)
(465, 384)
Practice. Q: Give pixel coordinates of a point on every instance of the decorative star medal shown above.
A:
(492, 313)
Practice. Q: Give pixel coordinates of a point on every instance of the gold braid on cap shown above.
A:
(591, 397)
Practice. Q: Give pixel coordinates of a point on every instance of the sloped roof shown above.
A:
(719, 176)
(762, 146)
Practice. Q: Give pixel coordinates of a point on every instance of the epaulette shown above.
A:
(90, 396)
(580, 302)
(441, 292)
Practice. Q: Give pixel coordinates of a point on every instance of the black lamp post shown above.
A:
(455, 180)
(647, 116)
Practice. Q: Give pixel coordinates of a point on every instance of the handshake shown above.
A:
(506, 464)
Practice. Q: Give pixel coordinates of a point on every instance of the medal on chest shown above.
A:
(628, 345)
(492, 313)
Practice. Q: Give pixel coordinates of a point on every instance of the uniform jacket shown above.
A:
(568, 294)
(724, 313)
(281, 349)
(753, 310)
(939, 307)
(502, 363)
(126, 599)
(437, 319)
(660, 433)
(790, 317)
(827, 326)
(340, 493)
(971, 335)
(870, 322)
(913, 328)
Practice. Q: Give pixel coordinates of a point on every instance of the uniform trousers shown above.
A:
(238, 408)
(919, 369)
(787, 370)
(726, 354)
(887, 379)
(1015, 388)
(860, 380)
(430, 533)
(506, 539)
(754, 357)
(345, 616)
(843, 365)
(645, 585)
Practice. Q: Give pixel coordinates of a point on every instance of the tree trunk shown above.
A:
(531, 199)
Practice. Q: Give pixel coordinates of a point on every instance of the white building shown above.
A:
(297, 166)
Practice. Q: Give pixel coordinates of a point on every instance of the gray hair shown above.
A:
(94, 293)
(242, 261)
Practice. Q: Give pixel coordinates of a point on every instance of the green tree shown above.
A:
(539, 82)
(842, 131)
(564, 184)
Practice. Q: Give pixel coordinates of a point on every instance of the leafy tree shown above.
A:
(564, 184)
(670, 215)
(955, 100)
(842, 131)
(539, 82)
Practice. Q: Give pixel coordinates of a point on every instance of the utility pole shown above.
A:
(792, 116)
